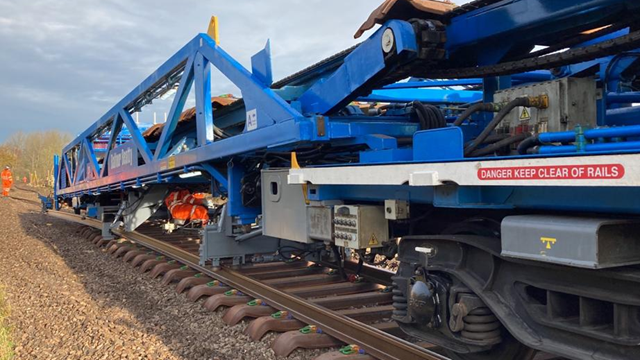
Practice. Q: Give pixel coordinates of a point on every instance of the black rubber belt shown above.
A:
(599, 50)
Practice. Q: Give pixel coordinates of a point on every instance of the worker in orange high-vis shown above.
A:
(7, 181)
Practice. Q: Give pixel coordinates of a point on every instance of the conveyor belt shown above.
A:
(542, 61)
(599, 50)
(468, 7)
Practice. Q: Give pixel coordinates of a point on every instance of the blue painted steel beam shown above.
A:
(116, 126)
(176, 109)
(416, 84)
(67, 169)
(216, 175)
(261, 65)
(288, 132)
(80, 169)
(136, 136)
(91, 158)
(270, 108)
(204, 111)
(532, 76)
(432, 96)
(490, 31)
(366, 62)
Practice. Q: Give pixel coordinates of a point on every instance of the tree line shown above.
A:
(30, 155)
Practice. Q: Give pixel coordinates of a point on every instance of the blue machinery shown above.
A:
(507, 163)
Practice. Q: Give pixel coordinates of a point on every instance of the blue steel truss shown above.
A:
(271, 122)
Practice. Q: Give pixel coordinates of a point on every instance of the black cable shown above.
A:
(361, 255)
(499, 145)
(474, 109)
(522, 101)
(336, 253)
(430, 116)
(438, 115)
(420, 109)
(422, 119)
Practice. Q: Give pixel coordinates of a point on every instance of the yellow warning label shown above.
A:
(373, 240)
(172, 162)
(549, 241)
(525, 114)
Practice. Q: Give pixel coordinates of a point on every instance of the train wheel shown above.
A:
(509, 348)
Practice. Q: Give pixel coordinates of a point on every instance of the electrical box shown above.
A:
(396, 209)
(572, 101)
(360, 226)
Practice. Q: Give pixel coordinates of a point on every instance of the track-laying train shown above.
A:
(492, 148)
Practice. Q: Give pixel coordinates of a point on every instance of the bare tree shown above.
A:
(33, 154)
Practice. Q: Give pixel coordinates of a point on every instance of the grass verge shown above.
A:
(6, 346)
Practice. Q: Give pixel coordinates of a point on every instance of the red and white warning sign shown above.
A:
(556, 172)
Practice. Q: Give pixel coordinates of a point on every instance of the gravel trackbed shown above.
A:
(69, 300)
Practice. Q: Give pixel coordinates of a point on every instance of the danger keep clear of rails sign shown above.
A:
(557, 172)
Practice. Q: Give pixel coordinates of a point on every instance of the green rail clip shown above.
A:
(256, 302)
(233, 292)
(280, 314)
(310, 329)
(351, 350)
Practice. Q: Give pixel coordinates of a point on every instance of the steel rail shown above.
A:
(376, 342)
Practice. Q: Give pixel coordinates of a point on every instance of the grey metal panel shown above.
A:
(145, 206)
(573, 241)
(217, 245)
(107, 214)
(320, 222)
(283, 207)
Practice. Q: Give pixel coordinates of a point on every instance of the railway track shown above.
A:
(311, 305)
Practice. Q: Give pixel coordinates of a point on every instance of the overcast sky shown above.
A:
(63, 64)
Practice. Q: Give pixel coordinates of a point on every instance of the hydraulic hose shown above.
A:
(430, 116)
(500, 144)
(491, 139)
(490, 107)
(538, 101)
(600, 147)
(527, 144)
(570, 136)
